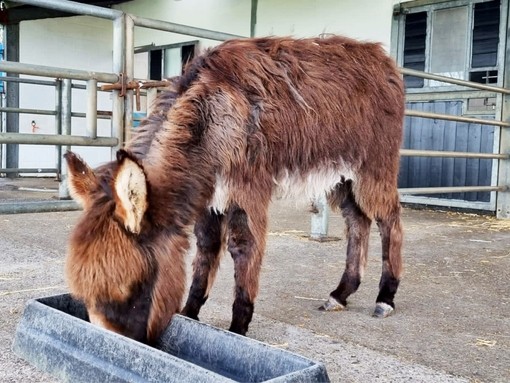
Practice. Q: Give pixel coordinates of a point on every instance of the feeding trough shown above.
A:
(55, 336)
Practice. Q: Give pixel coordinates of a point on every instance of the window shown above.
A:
(459, 39)
(414, 46)
(158, 62)
(447, 49)
(484, 58)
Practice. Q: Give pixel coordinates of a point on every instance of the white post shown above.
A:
(320, 218)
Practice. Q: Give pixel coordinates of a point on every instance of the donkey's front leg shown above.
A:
(246, 245)
(210, 234)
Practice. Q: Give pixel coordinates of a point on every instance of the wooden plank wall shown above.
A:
(428, 134)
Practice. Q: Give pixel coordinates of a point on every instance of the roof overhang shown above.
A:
(13, 13)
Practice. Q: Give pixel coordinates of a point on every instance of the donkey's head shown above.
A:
(111, 264)
(121, 183)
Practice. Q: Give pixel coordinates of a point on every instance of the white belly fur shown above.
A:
(289, 185)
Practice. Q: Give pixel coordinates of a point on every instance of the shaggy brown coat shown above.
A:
(250, 118)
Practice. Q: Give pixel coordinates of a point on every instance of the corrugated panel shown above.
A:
(428, 134)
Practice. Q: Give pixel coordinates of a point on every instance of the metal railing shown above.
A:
(61, 104)
(319, 220)
(432, 153)
(122, 100)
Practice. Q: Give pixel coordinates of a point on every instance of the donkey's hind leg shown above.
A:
(358, 231)
(210, 233)
(391, 237)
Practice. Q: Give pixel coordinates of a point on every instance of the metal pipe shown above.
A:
(84, 87)
(182, 29)
(137, 84)
(28, 170)
(449, 117)
(29, 111)
(118, 67)
(67, 92)
(91, 115)
(24, 80)
(101, 114)
(452, 189)
(253, 17)
(440, 153)
(38, 207)
(12, 36)
(450, 80)
(47, 71)
(73, 7)
(452, 95)
(129, 74)
(66, 107)
(12, 50)
(51, 139)
(58, 126)
(503, 169)
(152, 93)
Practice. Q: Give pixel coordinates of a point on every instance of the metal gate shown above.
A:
(120, 82)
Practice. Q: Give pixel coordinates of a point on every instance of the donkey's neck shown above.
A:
(180, 178)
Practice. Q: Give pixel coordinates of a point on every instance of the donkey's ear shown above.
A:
(130, 187)
(80, 179)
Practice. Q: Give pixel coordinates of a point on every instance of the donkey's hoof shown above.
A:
(382, 310)
(332, 305)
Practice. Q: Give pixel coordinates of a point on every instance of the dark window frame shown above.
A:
(156, 56)
(429, 6)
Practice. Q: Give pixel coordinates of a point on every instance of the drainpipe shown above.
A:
(12, 99)
(253, 19)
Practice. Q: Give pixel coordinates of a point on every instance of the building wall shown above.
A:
(361, 19)
(84, 42)
(76, 42)
(228, 16)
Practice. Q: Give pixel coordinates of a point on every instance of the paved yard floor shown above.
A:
(452, 322)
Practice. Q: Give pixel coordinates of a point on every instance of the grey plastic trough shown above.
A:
(55, 336)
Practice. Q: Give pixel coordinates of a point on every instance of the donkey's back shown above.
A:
(297, 115)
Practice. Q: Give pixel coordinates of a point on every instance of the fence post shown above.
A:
(320, 218)
(12, 100)
(119, 38)
(91, 115)
(503, 197)
(152, 93)
(63, 191)
(58, 127)
(129, 74)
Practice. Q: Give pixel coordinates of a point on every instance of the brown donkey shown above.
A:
(249, 118)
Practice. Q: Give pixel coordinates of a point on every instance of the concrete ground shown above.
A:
(452, 322)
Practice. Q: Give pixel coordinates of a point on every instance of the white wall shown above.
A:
(75, 42)
(228, 16)
(361, 19)
(83, 42)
